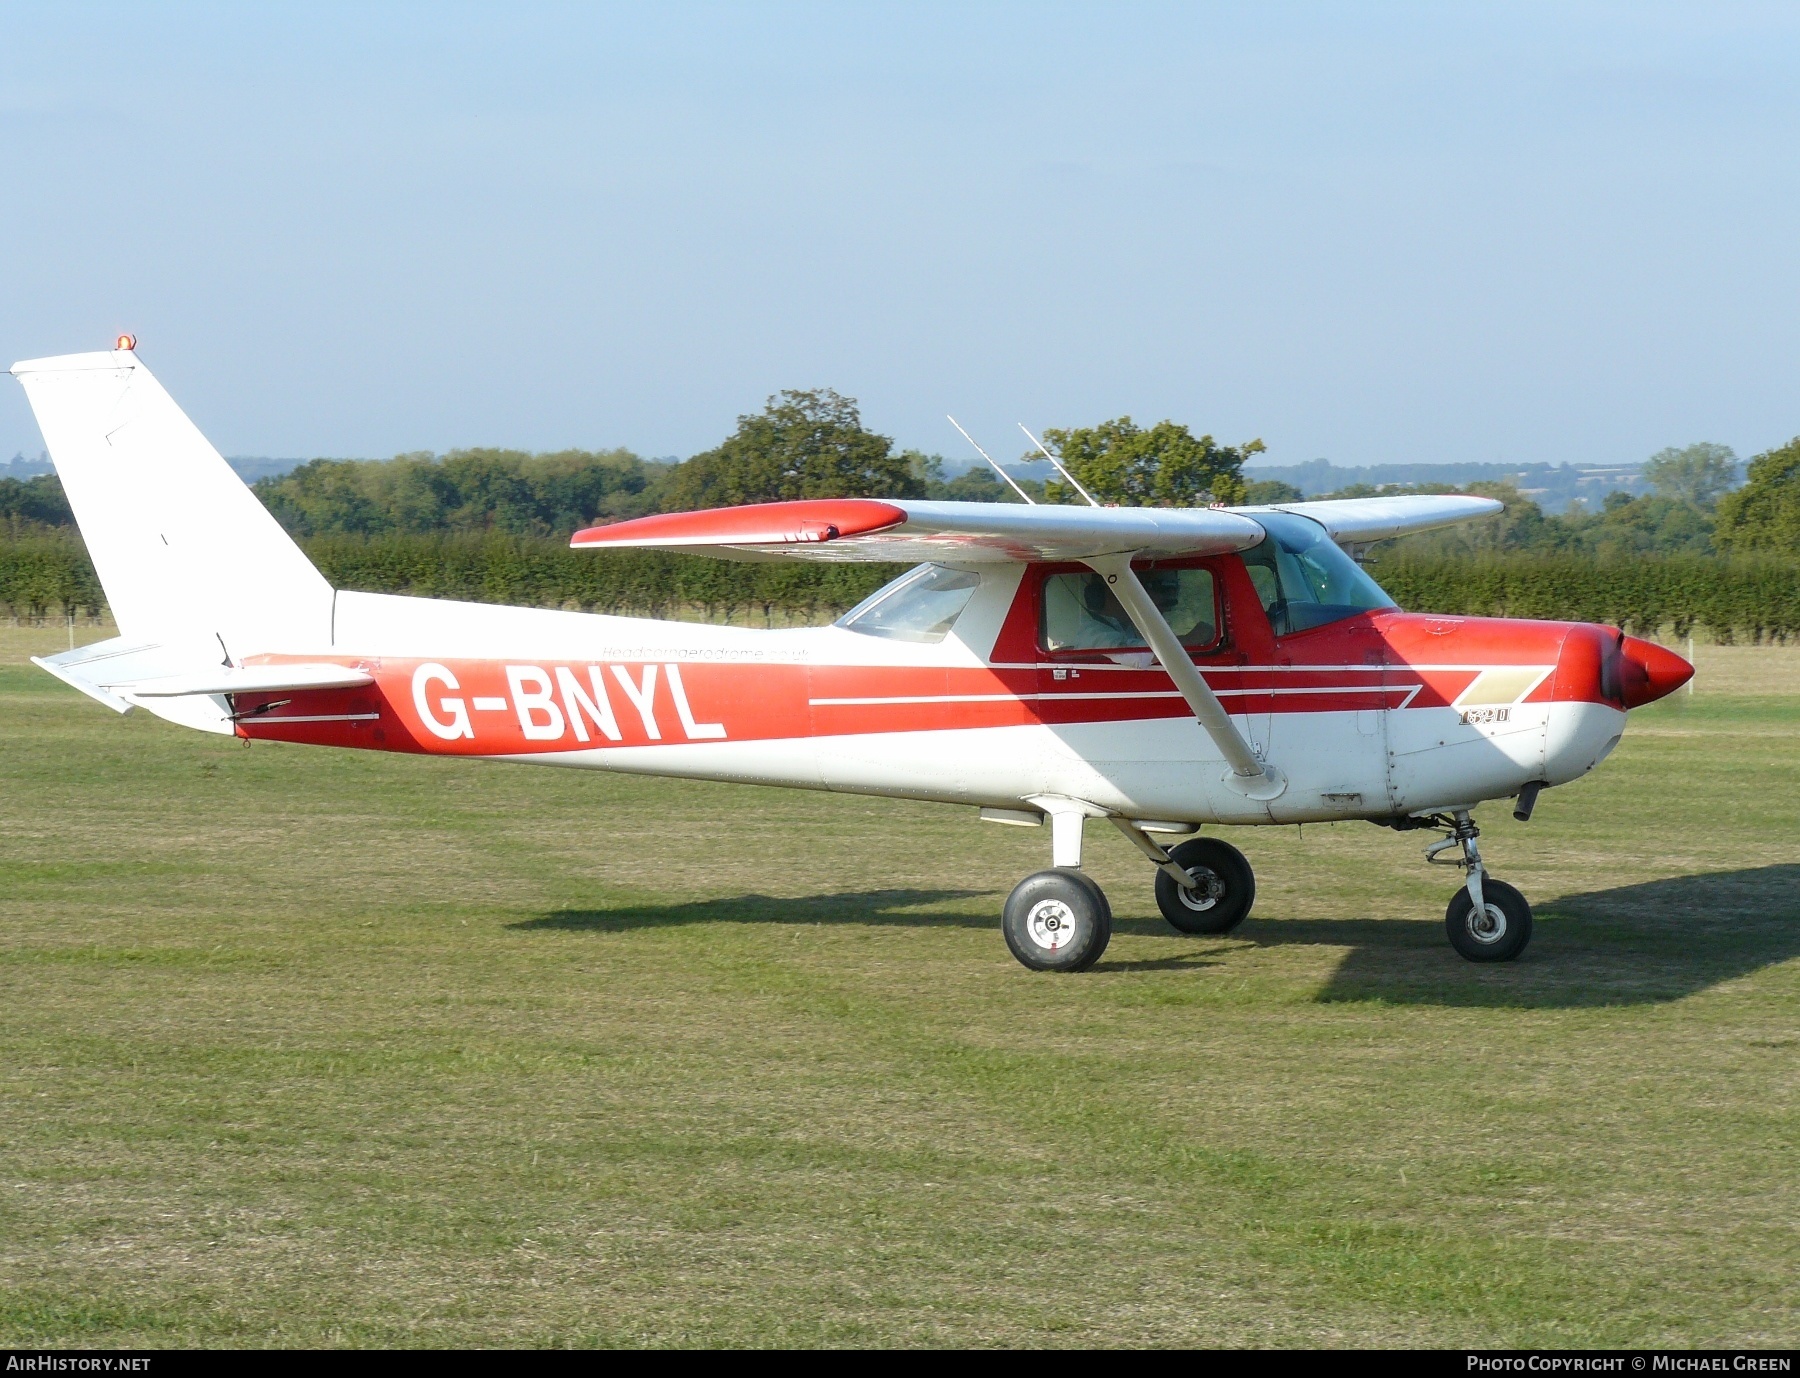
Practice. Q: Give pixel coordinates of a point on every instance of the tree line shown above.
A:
(492, 525)
(1739, 598)
(1695, 508)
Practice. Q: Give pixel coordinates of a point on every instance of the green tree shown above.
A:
(976, 484)
(1522, 525)
(1268, 490)
(1698, 475)
(1164, 466)
(800, 445)
(33, 502)
(324, 495)
(1765, 513)
(980, 485)
(1659, 524)
(466, 490)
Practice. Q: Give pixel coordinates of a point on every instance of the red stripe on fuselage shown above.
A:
(514, 707)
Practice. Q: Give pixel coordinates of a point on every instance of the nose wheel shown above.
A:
(1497, 931)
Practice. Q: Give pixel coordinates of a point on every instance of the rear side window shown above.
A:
(1303, 579)
(1079, 612)
(921, 605)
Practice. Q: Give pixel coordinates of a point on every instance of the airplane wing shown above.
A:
(1350, 520)
(904, 530)
(908, 531)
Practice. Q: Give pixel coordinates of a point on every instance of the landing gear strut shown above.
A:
(1488, 920)
(1059, 920)
(1203, 885)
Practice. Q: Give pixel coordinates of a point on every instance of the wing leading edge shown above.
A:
(905, 530)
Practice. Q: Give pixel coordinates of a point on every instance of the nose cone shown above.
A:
(1647, 671)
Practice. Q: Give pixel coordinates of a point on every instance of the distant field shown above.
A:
(306, 1048)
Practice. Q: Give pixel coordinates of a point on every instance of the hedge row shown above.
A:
(538, 572)
(48, 572)
(1755, 599)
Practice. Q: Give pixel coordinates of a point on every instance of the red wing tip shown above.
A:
(766, 523)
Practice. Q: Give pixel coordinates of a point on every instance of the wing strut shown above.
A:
(1248, 776)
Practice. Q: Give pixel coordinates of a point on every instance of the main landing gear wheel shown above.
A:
(1227, 887)
(1057, 921)
(1497, 935)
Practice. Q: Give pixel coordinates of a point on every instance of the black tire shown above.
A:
(1057, 921)
(1503, 936)
(1228, 887)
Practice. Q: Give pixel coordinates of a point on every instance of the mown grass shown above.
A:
(314, 1048)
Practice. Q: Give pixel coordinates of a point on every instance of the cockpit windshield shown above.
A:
(921, 605)
(1304, 579)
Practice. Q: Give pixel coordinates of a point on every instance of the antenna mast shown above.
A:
(1059, 466)
(990, 459)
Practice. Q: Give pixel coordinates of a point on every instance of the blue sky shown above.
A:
(1375, 233)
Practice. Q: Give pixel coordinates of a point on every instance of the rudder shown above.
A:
(184, 550)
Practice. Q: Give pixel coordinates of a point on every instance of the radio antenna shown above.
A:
(1059, 467)
(990, 459)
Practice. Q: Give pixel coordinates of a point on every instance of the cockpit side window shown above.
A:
(921, 605)
(1079, 612)
(1304, 580)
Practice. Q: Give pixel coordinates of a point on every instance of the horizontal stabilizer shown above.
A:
(249, 679)
(183, 681)
(106, 670)
(78, 668)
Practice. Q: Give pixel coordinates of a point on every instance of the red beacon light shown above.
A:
(126, 342)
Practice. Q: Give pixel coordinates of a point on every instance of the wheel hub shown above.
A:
(1488, 925)
(1208, 889)
(1051, 924)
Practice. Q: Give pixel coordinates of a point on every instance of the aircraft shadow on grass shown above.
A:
(1636, 944)
(913, 908)
(1654, 941)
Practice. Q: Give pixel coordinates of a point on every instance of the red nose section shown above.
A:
(1648, 671)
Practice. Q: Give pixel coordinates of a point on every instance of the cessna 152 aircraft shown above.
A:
(1157, 669)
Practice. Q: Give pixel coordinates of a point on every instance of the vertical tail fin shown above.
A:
(183, 549)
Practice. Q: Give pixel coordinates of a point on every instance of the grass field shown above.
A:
(314, 1048)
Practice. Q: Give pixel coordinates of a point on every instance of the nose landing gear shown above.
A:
(1488, 920)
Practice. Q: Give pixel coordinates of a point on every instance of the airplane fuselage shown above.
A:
(1381, 714)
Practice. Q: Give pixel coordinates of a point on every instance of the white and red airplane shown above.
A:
(1158, 669)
